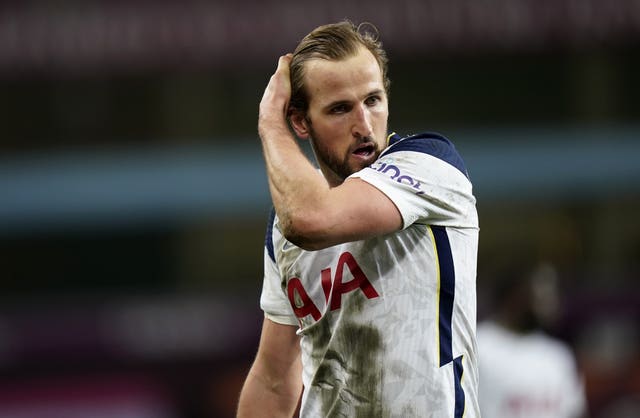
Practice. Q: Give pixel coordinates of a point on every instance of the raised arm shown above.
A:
(314, 215)
(274, 383)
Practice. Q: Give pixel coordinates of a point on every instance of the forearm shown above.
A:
(274, 383)
(297, 187)
(261, 398)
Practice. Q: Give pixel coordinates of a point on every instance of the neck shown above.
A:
(333, 179)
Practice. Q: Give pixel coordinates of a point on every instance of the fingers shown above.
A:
(283, 63)
(285, 59)
(281, 75)
(280, 79)
(275, 100)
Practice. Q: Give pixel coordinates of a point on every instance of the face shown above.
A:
(346, 121)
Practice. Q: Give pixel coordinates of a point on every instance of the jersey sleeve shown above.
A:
(426, 179)
(273, 300)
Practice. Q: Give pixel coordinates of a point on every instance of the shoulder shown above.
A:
(274, 241)
(269, 238)
(553, 346)
(489, 332)
(428, 143)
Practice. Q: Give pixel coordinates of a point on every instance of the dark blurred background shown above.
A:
(133, 199)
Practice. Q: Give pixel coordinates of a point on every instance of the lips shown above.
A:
(364, 150)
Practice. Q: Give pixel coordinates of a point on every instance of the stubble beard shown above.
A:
(340, 168)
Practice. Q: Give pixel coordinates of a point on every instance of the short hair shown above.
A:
(334, 42)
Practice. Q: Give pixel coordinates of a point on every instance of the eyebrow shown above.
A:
(336, 103)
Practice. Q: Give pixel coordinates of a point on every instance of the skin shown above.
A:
(347, 117)
(346, 122)
(273, 385)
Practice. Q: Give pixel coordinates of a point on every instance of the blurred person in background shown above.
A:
(524, 371)
(369, 291)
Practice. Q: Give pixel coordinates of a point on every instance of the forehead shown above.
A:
(328, 80)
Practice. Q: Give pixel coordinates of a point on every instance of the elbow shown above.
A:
(304, 232)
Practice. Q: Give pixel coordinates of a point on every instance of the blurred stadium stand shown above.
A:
(133, 198)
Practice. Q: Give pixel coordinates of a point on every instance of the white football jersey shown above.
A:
(387, 324)
(527, 376)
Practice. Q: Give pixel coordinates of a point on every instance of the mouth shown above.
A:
(365, 150)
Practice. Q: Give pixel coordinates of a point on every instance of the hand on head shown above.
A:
(275, 100)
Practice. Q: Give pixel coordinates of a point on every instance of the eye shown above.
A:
(340, 108)
(372, 100)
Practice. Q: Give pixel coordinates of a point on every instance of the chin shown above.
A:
(370, 160)
(360, 166)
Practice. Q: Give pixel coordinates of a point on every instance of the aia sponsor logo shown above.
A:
(333, 287)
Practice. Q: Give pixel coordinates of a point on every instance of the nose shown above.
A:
(361, 122)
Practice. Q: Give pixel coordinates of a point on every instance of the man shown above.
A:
(370, 262)
(525, 372)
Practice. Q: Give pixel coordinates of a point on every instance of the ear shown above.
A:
(299, 123)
